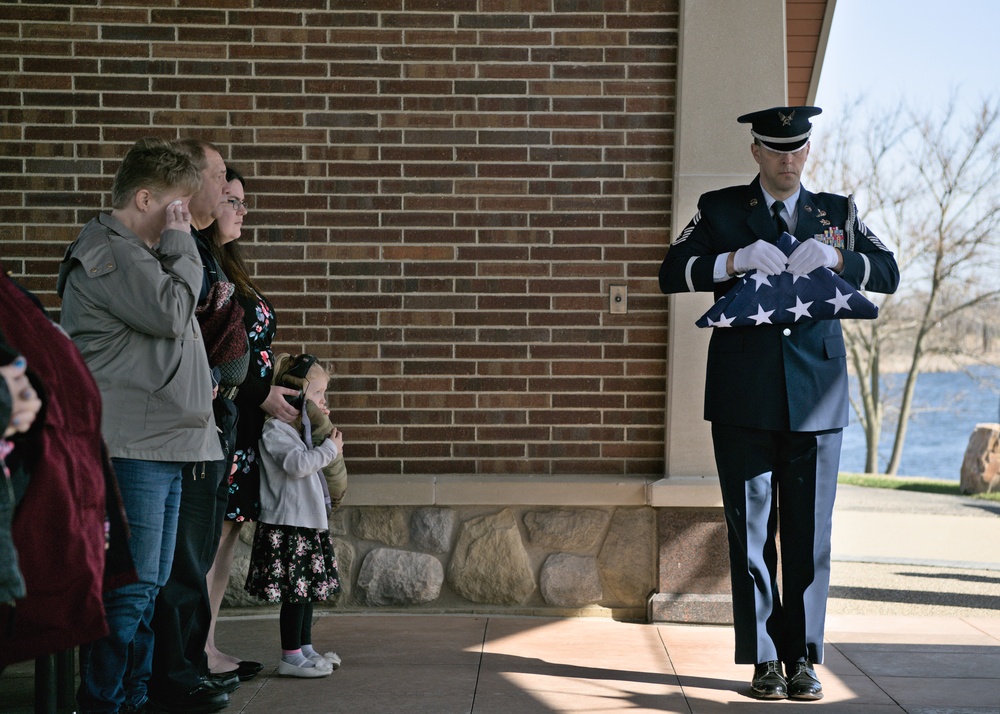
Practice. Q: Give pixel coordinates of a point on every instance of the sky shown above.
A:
(917, 50)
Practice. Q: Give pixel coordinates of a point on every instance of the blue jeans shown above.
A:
(115, 669)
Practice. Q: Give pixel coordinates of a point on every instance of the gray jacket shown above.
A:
(130, 311)
(291, 487)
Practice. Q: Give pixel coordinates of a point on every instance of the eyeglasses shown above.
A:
(236, 204)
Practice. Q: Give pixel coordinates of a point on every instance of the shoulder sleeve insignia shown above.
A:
(688, 229)
(866, 232)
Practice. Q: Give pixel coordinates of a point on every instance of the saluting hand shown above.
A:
(178, 217)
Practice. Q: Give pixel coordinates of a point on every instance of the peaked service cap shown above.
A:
(782, 129)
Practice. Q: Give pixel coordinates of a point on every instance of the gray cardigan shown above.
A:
(291, 488)
(130, 311)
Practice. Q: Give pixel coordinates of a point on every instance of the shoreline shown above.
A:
(899, 364)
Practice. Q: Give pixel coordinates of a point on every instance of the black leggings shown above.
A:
(295, 622)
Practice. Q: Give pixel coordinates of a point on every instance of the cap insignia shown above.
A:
(786, 119)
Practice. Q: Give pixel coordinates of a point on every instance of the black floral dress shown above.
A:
(244, 474)
(292, 564)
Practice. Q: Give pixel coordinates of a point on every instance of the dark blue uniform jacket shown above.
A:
(759, 377)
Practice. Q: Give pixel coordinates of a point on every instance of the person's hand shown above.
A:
(178, 217)
(765, 257)
(337, 437)
(25, 403)
(812, 254)
(276, 406)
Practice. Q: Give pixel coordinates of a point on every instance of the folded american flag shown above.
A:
(759, 299)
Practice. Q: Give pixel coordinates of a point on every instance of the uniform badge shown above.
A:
(807, 209)
(753, 201)
(824, 222)
(820, 212)
(831, 236)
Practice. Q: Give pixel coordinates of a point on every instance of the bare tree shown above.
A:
(929, 184)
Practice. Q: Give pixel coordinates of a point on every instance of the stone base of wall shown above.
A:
(698, 609)
(631, 548)
(693, 576)
(553, 561)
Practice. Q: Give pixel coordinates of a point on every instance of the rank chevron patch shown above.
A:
(687, 230)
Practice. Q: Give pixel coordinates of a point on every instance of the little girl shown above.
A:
(292, 561)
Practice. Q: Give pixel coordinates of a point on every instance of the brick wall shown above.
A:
(443, 192)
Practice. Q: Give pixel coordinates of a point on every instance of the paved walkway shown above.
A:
(498, 665)
(914, 627)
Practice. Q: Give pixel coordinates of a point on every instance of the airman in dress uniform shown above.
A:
(777, 395)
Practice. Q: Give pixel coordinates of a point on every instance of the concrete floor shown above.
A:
(914, 627)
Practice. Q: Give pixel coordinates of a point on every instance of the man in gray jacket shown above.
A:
(129, 286)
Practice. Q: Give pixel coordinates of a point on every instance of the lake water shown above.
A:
(947, 407)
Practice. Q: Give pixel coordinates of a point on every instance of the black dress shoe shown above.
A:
(226, 682)
(248, 670)
(202, 699)
(768, 682)
(803, 683)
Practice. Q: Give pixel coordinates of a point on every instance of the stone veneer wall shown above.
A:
(544, 560)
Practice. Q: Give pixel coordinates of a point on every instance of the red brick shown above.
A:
(441, 217)
(414, 19)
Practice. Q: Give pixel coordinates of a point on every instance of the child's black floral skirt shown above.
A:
(292, 564)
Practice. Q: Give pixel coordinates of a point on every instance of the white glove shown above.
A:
(765, 257)
(812, 254)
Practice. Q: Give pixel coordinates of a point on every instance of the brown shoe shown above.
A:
(768, 682)
(803, 684)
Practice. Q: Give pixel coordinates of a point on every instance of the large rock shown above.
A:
(575, 530)
(981, 465)
(386, 524)
(344, 551)
(570, 580)
(432, 529)
(489, 564)
(399, 577)
(627, 556)
(338, 522)
(236, 595)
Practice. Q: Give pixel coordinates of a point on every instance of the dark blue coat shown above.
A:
(760, 377)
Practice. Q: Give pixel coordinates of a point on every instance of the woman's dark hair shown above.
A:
(230, 255)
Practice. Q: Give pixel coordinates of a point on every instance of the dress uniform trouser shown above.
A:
(785, 482)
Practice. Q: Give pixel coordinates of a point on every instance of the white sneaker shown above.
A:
(290, 670)
(333, 658)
